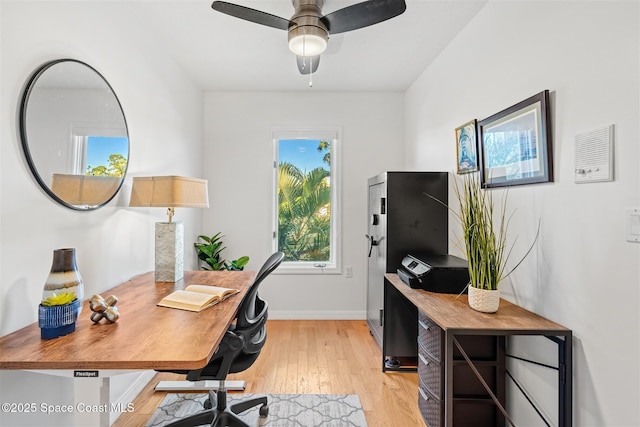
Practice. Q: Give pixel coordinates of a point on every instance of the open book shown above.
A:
(196, 297)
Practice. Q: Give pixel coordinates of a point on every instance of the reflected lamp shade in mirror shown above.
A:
(84, 190)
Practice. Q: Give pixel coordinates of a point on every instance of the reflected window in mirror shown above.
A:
(74, 134)
(101, 155)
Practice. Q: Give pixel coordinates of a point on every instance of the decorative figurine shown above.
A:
(104, 308)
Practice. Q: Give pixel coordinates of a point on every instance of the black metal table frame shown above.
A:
(564, 368)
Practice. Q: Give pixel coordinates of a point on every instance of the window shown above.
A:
(99, 151)
(106, 156)
(306, 209)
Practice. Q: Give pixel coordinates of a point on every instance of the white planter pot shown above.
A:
(484, 300)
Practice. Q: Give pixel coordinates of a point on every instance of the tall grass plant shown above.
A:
(485, 226)
(484, 240)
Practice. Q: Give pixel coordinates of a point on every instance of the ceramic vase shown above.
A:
(64, 276)
(58, 320)
(484, 300)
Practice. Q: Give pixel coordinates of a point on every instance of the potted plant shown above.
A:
(57, 315)
(210, 253)
(484, 234)
(484, 229)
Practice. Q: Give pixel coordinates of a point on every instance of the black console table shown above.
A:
(460, 353)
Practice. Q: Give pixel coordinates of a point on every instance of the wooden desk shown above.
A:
(454, 317)
(145, 337)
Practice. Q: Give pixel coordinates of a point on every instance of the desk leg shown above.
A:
(91, 400)
(194, 386)
(565, 378)
(448, 383)
(565, 381)
(92, 406)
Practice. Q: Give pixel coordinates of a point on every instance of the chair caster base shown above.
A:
(264, 411)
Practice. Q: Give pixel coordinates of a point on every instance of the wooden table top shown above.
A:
(452, 312)
(144, 337)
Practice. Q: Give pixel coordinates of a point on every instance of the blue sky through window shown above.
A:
(101, 147)
(303, 153)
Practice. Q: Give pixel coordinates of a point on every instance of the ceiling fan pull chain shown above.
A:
(304, 57)
(304, 45)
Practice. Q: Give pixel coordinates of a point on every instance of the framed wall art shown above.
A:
(515, 144)
(467, 147)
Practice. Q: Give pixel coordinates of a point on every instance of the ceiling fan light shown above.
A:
(307, 45)
(308, 40)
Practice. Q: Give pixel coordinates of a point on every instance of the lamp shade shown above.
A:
(84, 190)
(169, 191)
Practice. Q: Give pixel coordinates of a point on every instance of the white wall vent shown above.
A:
(594, 156)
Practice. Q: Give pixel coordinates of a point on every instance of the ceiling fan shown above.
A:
(309, 30)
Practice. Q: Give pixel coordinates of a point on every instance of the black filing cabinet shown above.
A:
(472, 404)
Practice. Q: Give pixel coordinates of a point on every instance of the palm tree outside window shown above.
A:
(305, 199)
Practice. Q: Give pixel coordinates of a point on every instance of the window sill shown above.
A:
(307, 269)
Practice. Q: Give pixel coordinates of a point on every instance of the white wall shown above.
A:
(582, 274)
(238, 155)
(164, 113)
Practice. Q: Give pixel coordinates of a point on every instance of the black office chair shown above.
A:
(237, 351)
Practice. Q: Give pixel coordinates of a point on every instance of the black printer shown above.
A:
(435, 273)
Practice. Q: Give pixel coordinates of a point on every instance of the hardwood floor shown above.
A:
(316, 356)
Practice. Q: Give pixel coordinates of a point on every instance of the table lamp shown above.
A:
(170, 192)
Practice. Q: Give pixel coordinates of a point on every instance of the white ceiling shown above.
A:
(223, 53)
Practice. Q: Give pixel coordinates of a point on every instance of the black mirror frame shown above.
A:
(25, 143)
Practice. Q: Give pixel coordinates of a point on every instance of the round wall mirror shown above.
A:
(74, 134)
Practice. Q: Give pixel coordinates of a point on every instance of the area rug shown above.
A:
(285, 410)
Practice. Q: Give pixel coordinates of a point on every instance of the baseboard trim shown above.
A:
(317, 315)
(131, 393)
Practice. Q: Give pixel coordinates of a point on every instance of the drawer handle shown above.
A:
(424, 325)
(423, 394)
(425, 361)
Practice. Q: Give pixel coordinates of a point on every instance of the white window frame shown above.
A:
(334, 265)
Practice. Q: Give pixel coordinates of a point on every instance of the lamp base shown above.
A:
(169, 251)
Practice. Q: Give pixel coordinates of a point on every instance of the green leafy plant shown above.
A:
(210, 253)
(59, 299)
(237, 264)
(483, 234)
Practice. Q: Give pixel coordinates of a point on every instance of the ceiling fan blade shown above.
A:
(252, 15)
(307, 64)
(362, 15)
